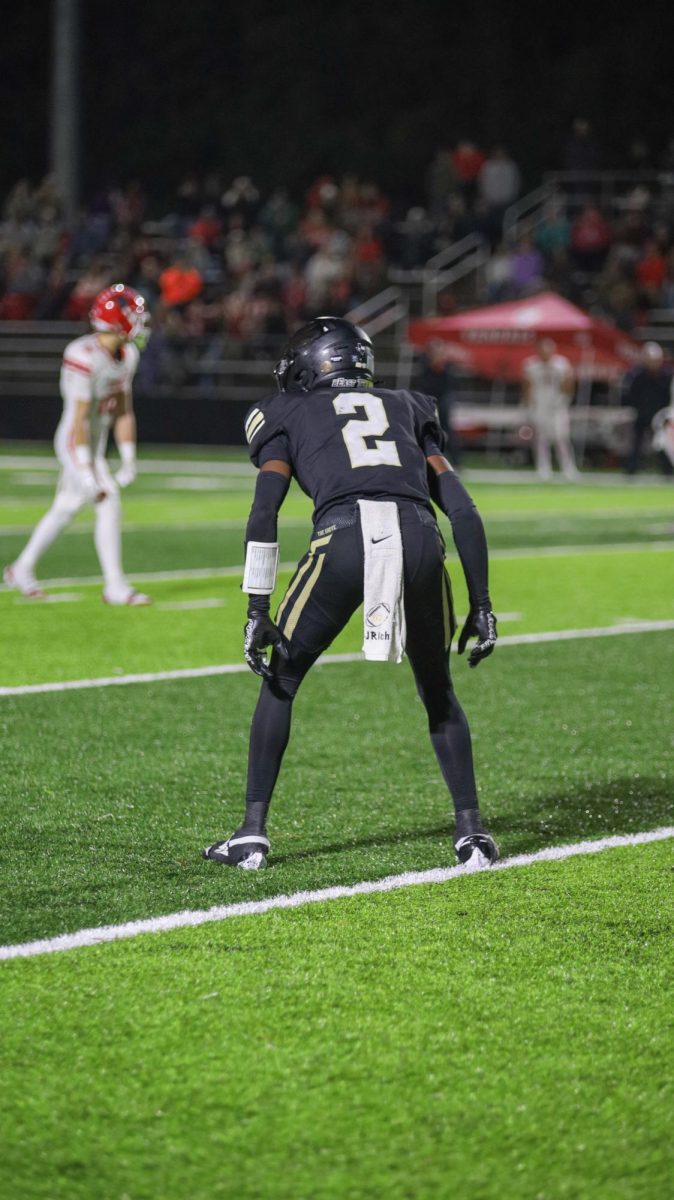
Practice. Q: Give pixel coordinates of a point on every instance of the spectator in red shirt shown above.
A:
(207, 227)
(468, 161)
(324, 194)
(89, 284)
(180, 283)
(651, 272)
(369, 263)
(590, 239)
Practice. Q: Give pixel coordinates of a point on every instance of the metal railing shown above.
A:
(389, 309)
(205, 368)
(457, 261)
(610, 190)
(527, 212)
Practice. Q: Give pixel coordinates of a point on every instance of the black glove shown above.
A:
(260, 632)
(480, 623)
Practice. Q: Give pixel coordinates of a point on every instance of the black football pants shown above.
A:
(324, 592)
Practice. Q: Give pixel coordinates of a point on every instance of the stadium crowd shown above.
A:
(244, 268)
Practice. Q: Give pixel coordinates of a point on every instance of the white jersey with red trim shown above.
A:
(90, 373)
(548, 381)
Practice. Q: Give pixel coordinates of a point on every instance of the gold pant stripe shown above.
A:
(293, 585)
(299, 574)
(298, 607)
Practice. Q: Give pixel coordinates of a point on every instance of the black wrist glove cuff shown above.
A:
(258, 604)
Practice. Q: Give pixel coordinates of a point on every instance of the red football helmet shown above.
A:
(120, 309)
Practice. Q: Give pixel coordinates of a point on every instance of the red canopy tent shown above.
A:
(494, 341)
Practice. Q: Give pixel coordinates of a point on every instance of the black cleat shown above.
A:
(476, 851)
(246, 850)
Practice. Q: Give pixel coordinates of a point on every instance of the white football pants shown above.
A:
(554, 430)
(69, 499)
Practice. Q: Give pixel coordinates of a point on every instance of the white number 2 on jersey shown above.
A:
(382, 454)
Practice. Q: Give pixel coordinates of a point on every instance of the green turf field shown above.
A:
(500, 1036)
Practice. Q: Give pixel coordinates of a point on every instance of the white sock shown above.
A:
(108, 539)
(46, 531)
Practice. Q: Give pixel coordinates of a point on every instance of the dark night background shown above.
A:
(283, 91)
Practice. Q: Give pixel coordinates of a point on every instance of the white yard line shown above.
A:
(228, 572)
(569, 551)
(154, 576)
(392, 883)
(528, 476)
(174, 466)
(215, 525)
(561, 518)
(515, 639)
(189, 605)
(151, 466)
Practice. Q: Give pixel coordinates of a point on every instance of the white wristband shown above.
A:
(83, 455)
(259, 572)
(127, 453)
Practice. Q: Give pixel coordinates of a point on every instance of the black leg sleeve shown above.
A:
(269, 735)
(448, 728)
(428, 611)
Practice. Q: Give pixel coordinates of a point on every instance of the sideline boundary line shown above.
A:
(511, 639)
(515, 552)
(239, 466)
(181, 920)
(553, 518)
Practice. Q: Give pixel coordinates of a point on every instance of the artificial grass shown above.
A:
(217, 543)
(505, 1035)
(108, 795)
(84, 639)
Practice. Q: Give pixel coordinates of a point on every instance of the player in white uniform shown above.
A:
(548, 392)
(96, 384)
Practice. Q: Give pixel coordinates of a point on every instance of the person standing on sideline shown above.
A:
(648, 390)
(547, 392)
(96, 379)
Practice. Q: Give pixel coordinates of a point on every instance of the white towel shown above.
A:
(383, 596)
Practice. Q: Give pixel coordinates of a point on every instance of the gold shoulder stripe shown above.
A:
(254, 427)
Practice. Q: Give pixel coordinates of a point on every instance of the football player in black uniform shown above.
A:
(347, 441)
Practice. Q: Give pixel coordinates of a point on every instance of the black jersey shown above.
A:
(349, 444)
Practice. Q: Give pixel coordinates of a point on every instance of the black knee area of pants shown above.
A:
(288, 674)
(439, 700)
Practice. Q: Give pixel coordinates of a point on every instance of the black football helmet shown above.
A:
(328, 351)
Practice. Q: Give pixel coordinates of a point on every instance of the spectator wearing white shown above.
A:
(499, 181)
(547, 392)
(663, 438)
(498, 275)
(324, 268)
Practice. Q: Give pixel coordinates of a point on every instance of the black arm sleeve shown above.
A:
(270, 492)
(468, 533)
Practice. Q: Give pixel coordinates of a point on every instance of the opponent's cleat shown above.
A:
(246, 850)
(476, 851)
(130, 597)
(23, 581)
